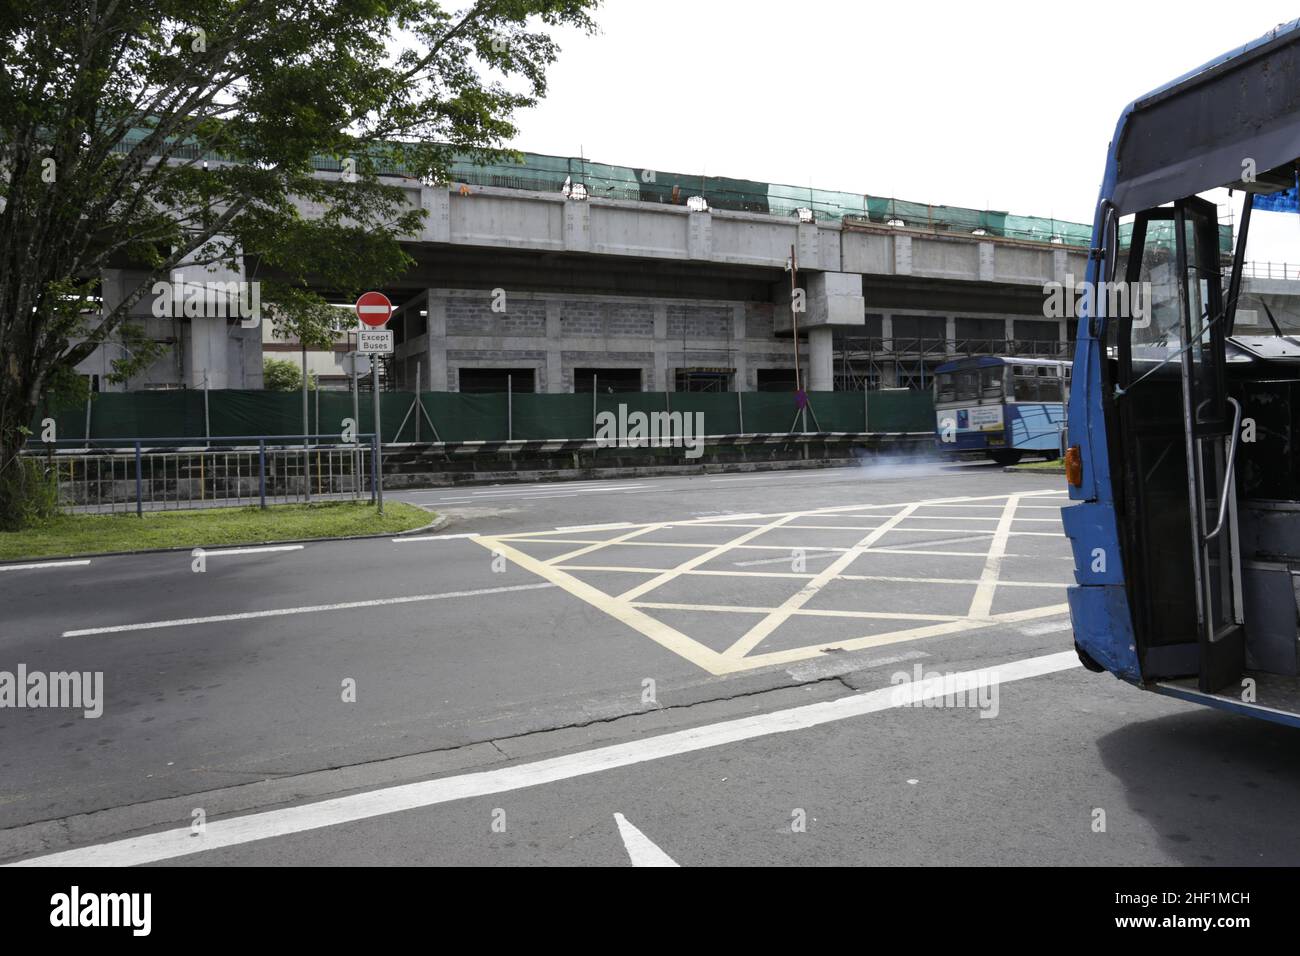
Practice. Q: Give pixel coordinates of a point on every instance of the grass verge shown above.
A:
(211, 527)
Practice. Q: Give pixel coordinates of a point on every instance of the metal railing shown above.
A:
(1271, 270)
(944, 349)
(168, 474)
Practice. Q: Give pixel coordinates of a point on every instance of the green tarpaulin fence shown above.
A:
(460, 416)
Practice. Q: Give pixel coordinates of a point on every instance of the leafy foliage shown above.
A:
(281, 375)
(146, 134)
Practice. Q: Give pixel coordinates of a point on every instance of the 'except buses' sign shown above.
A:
(374, 341)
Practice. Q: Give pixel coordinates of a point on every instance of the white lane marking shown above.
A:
(536, 497)
(169, 844)
(515, 492)
(225, 551)
(43, 564)
(310, 609)
(1046, 627)
(640, 850)
(748, 478)
(596, 527)
(437, 537)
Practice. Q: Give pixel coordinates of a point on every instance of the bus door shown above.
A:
(1211, 425)
(1181, 564)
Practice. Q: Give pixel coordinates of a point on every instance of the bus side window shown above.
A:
(947, 387)
(991, 382)
(1026, 386)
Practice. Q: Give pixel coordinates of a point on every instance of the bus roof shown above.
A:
(985, 361)
(1196, 132)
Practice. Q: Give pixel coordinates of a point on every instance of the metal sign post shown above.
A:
(379, 435)
(374, 310)
(356, 429)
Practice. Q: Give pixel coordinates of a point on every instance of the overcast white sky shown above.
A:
(1004, 106)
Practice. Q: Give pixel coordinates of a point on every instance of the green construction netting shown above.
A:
(544, 173)
(459, 416)
(548, 174)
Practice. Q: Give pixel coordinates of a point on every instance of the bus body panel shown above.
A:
(1098, 614)
(1034, 426)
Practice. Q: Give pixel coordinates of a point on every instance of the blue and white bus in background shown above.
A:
(1002, 407)
(1182, 461)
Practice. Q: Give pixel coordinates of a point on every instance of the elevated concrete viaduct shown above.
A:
(554, 290)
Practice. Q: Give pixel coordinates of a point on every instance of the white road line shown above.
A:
(516, 492)
(535, 497)
(169, 844)
(436, 537)
(1046, 627)
(596, 527)
(310, 609)
(640, 850)
(43, 564)
(225, 551)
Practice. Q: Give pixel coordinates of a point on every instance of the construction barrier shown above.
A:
(455, 417)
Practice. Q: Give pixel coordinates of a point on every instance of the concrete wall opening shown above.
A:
(497, 379)
(775, 380)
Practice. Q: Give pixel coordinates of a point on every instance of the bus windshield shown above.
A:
(968, 386)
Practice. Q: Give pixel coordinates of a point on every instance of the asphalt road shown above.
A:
(696, 670)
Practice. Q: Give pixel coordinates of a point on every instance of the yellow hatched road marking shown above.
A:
(628, 609)
(774, 620)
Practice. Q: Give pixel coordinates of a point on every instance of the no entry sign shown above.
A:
(374, 309)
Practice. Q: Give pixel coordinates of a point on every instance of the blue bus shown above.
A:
(1183, 463)
(1001, 407)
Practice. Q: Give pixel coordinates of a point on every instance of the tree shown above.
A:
(281, 375)
(151, 133)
